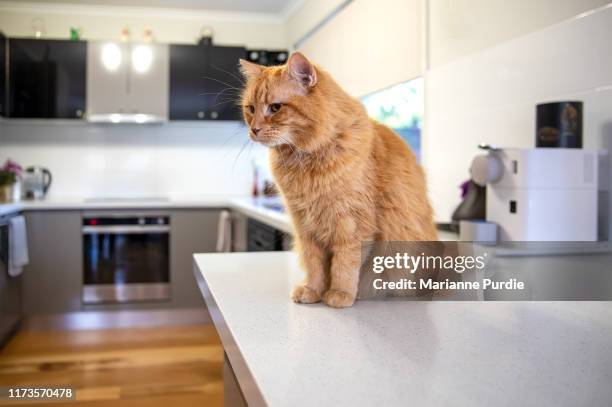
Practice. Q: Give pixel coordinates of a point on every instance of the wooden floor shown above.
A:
(149, 366)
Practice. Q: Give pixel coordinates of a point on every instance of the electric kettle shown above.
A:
(37, 181)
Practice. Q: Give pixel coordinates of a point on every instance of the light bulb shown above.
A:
(111, 56)
(142, 58)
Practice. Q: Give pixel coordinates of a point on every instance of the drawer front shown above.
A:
(262, 237)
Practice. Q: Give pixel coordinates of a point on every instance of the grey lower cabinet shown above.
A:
(10, 288)
(53, 281)
(193, 231)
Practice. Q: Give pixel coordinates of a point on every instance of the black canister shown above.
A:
(559, 124)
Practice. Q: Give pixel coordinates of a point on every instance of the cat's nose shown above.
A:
(255, 130)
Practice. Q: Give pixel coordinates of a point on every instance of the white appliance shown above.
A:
(37, 181)
(541, 194)
(127, 82)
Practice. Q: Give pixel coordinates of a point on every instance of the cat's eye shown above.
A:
(251, 108)
(275, 107)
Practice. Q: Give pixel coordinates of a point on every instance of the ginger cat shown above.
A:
(344, 177)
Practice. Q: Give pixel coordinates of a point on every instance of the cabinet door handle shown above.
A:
(125, 229)
(214, 114)
(79, 113)
(200, 115)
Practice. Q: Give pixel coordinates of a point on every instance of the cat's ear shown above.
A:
(250, 69)
(302, 70)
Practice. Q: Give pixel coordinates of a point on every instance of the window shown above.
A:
(401, 108)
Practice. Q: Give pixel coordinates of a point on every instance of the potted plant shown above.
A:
(10, 175)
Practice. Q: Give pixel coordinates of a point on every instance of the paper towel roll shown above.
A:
(486, 169)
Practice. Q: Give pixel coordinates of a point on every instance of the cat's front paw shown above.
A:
(338, 298)
(304, 295)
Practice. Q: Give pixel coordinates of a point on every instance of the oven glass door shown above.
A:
(126, 260)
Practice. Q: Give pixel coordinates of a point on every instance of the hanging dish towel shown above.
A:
(18, 246)
(224, 232)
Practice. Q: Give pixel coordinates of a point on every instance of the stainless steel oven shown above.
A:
(126, 258)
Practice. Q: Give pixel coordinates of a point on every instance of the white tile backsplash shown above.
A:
(490, 96)
(175, 159)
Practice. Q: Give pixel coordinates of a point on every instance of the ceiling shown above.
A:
(258, 6)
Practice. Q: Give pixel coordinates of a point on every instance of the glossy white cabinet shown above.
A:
(127, 82)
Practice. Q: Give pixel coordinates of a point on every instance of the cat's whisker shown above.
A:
(232, 74)
(238, 91)
(250, 148)
(281, 155)
(230, 97)
(222, 82)
(295, 153)
(228, 90)
(239, 153)
(224, 101)
(234, 134)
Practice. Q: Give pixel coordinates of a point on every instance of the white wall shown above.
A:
(306, 16)
(168, 25)
(176, 159)
(490, 96)
(370, 45)
(483, 85)
(171, 159)
(460, 27)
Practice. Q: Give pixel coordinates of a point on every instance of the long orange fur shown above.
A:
(344, 177)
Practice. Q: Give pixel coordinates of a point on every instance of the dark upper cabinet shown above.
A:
(267, 57)
(2, 75)
(46, 78)
(205, 82)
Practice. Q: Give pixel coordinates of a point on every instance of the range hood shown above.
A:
(135, 118)
(127, 82)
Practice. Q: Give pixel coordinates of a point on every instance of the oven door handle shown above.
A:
(125, 229)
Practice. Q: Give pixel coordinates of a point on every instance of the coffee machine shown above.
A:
(545, 194)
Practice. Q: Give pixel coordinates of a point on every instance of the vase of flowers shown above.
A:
(10, 177)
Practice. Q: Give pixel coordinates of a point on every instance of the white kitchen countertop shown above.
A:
(401, 352)
(7, 209)
(255, 208)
